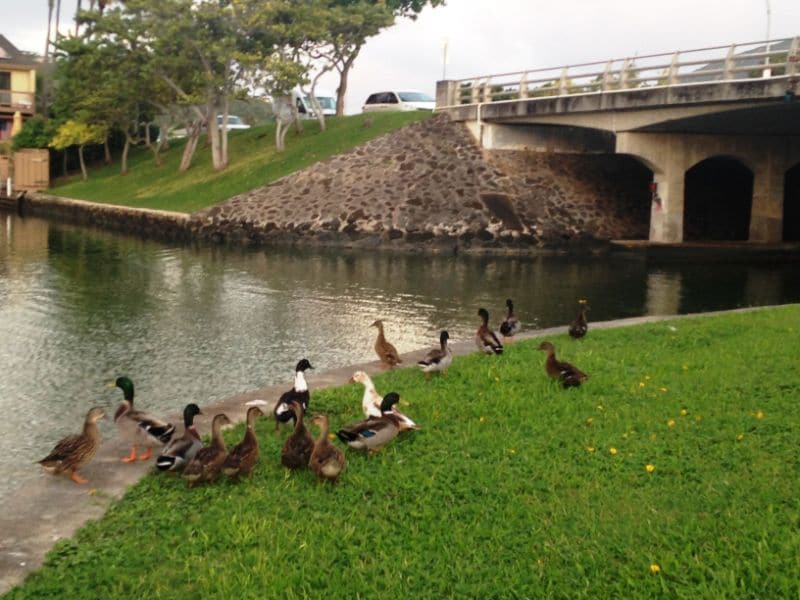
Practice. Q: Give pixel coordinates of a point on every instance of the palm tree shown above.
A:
(50, 4)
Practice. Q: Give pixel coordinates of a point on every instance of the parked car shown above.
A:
(408, 100)
(326, 99)
(234, 122)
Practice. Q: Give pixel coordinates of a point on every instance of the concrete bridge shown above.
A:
(719, 128)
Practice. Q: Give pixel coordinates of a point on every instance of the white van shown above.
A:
(394, 100)
(326, 99)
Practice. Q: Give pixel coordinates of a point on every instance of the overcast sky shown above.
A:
(497, 36)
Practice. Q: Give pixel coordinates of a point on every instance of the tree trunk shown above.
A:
(107, 151)
(217, 133)
(193, 136)
(125, 149)
(343, 74)
(50, 5)
(77, 11)
(84, 174)
(224, 131)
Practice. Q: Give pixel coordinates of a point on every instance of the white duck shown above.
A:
(372, 402)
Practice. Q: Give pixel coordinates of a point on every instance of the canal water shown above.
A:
(78, 307)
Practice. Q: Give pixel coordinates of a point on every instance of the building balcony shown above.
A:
(12, 101)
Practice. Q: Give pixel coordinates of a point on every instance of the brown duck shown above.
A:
(244, 455)
(205, 466)
(75, 450)
(384, 349)
(579, 326)
(486, 339)
(297, 449)
(327, 461)
(569, 375)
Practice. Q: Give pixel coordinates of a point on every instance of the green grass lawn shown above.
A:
(253, 163)
(514, 487)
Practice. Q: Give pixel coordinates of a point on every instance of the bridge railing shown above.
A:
(737, 62)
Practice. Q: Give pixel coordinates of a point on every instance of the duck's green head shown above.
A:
(126, 385)
(189, 413)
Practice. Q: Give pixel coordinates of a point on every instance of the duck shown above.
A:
(283, 412)
(205, 465)
(374, 433)
(511, 326)
(579, 326)
(138, 427)
(485, 338)
(297, 449)
(327, 461)
(438, 359)
(181, 450)
(569, 375)
(371, 400)
(244, 455)
(77, 450)
(386, 352)
(373, 405)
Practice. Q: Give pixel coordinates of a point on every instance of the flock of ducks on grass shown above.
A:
(382, 421)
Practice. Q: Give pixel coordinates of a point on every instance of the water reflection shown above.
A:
(79, 307)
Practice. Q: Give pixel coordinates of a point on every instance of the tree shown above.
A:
(352, 22)
(76, 133)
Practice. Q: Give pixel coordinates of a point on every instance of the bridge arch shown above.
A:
(791, 204)
(718, 199)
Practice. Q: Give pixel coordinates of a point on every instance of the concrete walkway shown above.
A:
(47, 509)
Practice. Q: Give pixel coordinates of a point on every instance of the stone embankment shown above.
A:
(427, 186)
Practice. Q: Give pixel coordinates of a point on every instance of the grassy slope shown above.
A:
(253, 163)
(499, 494)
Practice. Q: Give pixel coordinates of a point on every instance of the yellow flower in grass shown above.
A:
(655, 568)
(612, 451)
(590, 449)
(647, 376)
(641, 384)
(589, 421)
(600, 407)
(759, 415)
(698, 418)
(685, 367)
(671, 423)
(663, 389)
(482, 419)
(650, 468)
(740, 437)
(684, 412)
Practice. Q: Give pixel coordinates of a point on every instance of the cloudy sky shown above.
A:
(499, 36)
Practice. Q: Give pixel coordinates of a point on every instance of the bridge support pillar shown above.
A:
(666, 209)
(766, 216)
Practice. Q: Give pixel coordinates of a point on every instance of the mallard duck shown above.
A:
(181, 450)
(75, 450)
(579, 327)
(569, 375)
(437, 359)
(138, 427)
(244, 455)
(206, 463)
(386, 352)
(283, 412)
(374, 433)
(327, 461)
(485, 338)
(296, 451)
(511, 326)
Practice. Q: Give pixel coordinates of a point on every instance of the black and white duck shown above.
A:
(283, 412)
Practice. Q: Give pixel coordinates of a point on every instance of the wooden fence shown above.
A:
(31, 170)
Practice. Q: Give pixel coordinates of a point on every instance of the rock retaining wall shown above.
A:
(428, 185)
